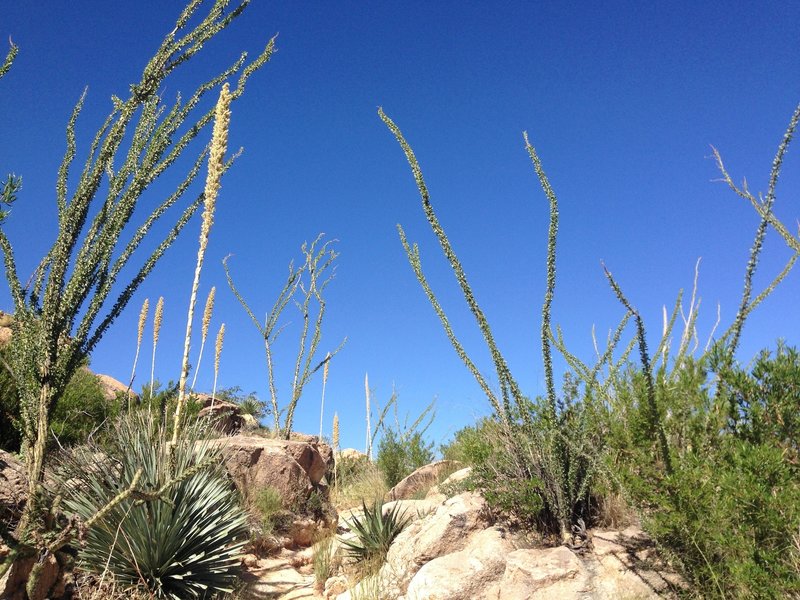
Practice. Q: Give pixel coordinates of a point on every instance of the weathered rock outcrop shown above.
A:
(113, 387)
(451, 482)
(443, 532)
(226, 417)
(456, 552)
(421, 480)
(469, 573)
(292, 468)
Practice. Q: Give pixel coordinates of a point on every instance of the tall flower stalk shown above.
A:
(139, 334)
(206, 322)
(335, 442)
(324, 381)
(369, 414)
(217, 354)
(157, 318)
(216, 167)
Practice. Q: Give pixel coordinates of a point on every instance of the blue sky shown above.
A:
(622, 101)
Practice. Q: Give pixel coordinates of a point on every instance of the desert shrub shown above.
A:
(80, 410)
(399, 456)
(180, 535)
(268, 504)
(375, 531)
(539, 472)
(470, 445)
(323, 560)
(163, 401)
(249, 404)
(730, 510)
(403, 447)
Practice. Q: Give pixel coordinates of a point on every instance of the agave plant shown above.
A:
(179, 538)
(375, 531)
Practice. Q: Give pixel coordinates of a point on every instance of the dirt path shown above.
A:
(276, 579)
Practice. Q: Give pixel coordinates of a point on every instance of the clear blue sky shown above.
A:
(622, 100)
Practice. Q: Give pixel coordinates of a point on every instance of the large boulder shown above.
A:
(112, 388)
(454, 551)
(6, 322)
(469, 573)
(292, 468)
(627, 563)
(225, 417)
(13, 487)
(422, 480)
(452, 482)
(442, 532)
(540, 573)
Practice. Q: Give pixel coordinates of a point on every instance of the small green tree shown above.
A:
(76, 293)
(403, 448)
(308, 282)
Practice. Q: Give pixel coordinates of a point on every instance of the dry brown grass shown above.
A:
(613, 512)
(89, 586)
(361, 482)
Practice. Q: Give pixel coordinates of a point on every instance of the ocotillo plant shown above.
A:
(76, 292)
(9, 59)
(555, 461)
(309, 282)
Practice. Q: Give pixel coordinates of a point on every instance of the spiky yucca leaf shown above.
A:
(182, 536)
(375, 532)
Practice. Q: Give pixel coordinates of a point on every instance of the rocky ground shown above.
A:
(453, 548)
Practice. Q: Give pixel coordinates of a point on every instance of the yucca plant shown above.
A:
(375, 531)
(180, 537)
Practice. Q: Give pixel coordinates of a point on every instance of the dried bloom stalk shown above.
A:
(217, 353)
(335, 439)
(206, 322)
(140, 333)
(216, 167)
(156, 331)
(324, 381)
(369, 427)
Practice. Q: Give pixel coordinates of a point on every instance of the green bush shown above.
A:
(399, 455)
(730, 510)
(403, 448)
(249, 404)
(81, 410)
(268, 504)
(538, 472)
(469, 445)
(180, 535)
